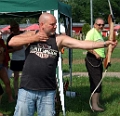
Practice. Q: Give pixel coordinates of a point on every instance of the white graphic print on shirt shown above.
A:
(43, 50)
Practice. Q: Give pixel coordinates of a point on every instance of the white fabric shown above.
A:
(19, 55)
(62, 29)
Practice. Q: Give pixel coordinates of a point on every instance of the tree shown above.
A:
(85, 29)
(81, 9)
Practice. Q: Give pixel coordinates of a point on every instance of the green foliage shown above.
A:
(79, 105)
(105, 38)
(117, 37)
(81, 9)
(19, 20)
(85, 29)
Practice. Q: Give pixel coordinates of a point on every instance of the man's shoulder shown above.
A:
(90, 34)
(91, 31)
(61, 35)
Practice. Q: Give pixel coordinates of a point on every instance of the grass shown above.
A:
(78, 64)
(5, 107)
(79, 105)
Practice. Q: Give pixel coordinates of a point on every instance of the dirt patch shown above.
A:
(81, 61)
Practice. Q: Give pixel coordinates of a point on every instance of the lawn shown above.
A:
(79, 105)
(78, 64)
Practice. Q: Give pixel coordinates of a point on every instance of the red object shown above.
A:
(32, 27)
(66, 85)
(5, 28)
(7, 57)
(117, 27)
(77, 29)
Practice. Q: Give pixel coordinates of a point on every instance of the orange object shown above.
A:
(66, 85)
(107, 60)
(62, 50)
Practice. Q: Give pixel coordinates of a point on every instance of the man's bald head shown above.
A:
(47, 23)
(45, 17)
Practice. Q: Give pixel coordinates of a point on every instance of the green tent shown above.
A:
(28, 8)
(33, 8)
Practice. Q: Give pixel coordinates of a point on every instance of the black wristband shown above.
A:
(105, 45)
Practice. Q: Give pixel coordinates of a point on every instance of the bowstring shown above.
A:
(97, 88)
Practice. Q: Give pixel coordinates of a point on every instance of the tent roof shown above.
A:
(117, 27)
(5, 28)
(32, 27)
(28, 8)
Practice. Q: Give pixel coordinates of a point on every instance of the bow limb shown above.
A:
(107, 61)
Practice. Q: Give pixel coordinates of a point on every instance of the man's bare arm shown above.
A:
(27, 38)
(63, 40)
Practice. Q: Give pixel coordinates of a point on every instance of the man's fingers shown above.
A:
(43, 40)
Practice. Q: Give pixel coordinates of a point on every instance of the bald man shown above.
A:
(38, 81)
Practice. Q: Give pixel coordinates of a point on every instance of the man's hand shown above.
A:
(97, 56)
(41, 36)
(112, 43)
(95, 53)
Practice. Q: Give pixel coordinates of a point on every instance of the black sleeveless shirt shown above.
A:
(39, 71)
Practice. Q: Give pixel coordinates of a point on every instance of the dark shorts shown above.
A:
(16, 65)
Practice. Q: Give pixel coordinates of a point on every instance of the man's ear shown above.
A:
(41, 24)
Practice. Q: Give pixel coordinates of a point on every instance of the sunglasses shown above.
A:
(100, 25)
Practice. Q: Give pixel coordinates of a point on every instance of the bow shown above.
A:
(107, 61)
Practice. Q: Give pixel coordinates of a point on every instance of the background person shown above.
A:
(18, 55)
(93, 62)
(38, 81)
(4, 58)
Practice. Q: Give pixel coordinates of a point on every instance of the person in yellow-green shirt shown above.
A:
(94, 64)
